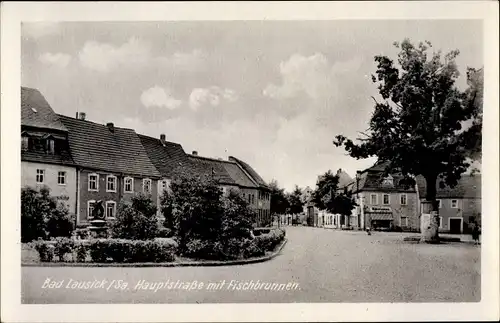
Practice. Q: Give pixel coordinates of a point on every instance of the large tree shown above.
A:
(423, 124)
(328, 196)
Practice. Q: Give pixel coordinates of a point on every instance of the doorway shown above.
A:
(455, 225)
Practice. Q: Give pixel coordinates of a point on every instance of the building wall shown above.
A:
(467, 209)
(409, 210)
(101, 194)
(64, 193)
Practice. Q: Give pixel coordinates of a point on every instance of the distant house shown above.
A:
(45, 156)
(460, 206)
(384, 202)
(234, 174)
(323, 218)
(112, 165)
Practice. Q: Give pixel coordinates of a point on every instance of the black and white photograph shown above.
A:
(221, 161)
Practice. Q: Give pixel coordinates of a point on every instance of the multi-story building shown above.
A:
(459, 206)
(232, 175)
(112, 165)
(45, 156)
(167, 157)
(383, 202)
(264, 192)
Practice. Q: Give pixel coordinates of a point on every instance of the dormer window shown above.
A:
(388, 181)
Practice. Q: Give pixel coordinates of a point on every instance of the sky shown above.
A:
(272, 93)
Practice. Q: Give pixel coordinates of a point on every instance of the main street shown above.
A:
(321, 265)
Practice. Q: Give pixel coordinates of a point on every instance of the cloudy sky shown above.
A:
(272, 93)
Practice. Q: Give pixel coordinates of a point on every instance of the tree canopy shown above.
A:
(329, 196)
(295, 201)
(279, 201)
(423, 125)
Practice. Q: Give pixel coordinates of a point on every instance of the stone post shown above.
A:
(429, 229)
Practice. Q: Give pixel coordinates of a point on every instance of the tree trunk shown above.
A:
(430, 231)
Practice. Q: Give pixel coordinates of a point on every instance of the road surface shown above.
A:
(316, 265)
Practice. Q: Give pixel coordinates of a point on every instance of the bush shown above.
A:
(81, 251)
(136, 220)
(122, 250)
(99, 250)
(42, 216)
(204, 249)
(45, 250)
(63, 246)
(269, 241)
(241, 249)
(165, 233)
(59, 223)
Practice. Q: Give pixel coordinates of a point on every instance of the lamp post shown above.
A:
(357, 199)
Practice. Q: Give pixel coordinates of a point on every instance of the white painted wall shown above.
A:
(28, 178)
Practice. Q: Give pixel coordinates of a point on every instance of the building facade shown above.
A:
(45, 157)
(234, 174)
(383, 201)
(459, 206)
(112, 166)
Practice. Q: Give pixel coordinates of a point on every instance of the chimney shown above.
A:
(162, 137)
(110, 126)
(81, 115)
(339, 171)
(195, 153)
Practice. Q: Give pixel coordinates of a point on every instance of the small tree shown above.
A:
(327, 196)
(295, 201)
(424, 124)
(193, 208)
(136, 219)
(238, 217)
(42, 216)
(279, 201)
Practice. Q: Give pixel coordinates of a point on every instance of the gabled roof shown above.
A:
(226, 172)
(255, 176)
(468, 187)
(36, 111)
(372, 179)
(166, 156)
(344, 178)
(95, 146)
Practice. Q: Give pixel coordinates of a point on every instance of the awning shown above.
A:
(381, 216)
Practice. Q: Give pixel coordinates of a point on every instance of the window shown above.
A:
(110, 183)
(403, 199)
(50, 146)
(90, 208)
(374, 199)
(93, 182)
(40, 176)
(454, 204)
(61, 178)
(385, 199)
(404, 221)
(439, 203)
(110, 209)
(129, 185)
(249, 198)
(24, 143)
(146, 186)
(388, 181)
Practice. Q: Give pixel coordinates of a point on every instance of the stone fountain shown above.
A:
(98, 227)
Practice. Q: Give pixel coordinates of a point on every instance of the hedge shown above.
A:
(107, 250)
(269, 241)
